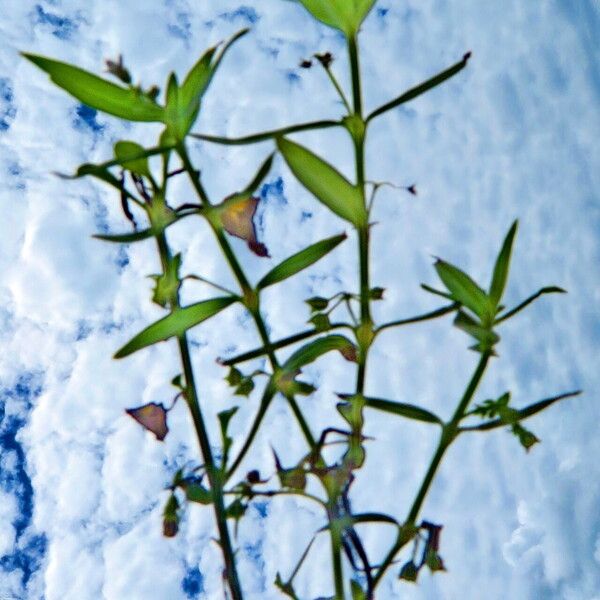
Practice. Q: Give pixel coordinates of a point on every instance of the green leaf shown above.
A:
(124, 238)
(434, 561)
(317, 303)
(193, 88)
(502, 266)
(320, 321)
(266, 135)
(183, 102)
(285, 587)
(225, 417)
(300, 261)
(171, 517)
(323, 181)
(435, 292)
(523, 413)
(546, 290)
(409, 572)
(485, 337)
(133, 157)
(409, 411)
(234, 377)
(175, 324)
(127, 103)
(416, 91)
(345, 15)
(526, 438)
(195, 492)
(464, 289)
(245, 387)
(313, 350)
(376, 293)
(166, 289)
(262, 172)
(357, 592)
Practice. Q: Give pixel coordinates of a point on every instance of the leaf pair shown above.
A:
(464, 290)
(345, 15)
(485, 305)
(131, 103)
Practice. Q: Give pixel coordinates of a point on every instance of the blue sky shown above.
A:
(513, 136)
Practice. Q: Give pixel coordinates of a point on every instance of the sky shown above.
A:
(512, 136)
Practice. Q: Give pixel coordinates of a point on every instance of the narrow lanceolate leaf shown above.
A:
(262, 172)
(523, 413)
(125, 238)
(313, 350)
(152, 417)
(485, 337)
(463, 289)
(345, 15)
(422, 88)
(547, 290)
(183, 107)
(325, 182)
(175, 324)
(266, 135)
(132, 157)
(502, 266)
(300, 261)
(98, 93)
(195, 84)
(409, 411)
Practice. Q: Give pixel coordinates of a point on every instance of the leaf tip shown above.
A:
(467, 56)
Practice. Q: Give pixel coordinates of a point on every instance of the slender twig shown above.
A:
(212, 470)
(449, 433)
(440, 312)
(267, 135)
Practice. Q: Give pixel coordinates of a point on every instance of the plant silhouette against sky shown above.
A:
(341, 324)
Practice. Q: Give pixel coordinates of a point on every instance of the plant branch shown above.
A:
(267, 135)
(212, 470)
(449, 433)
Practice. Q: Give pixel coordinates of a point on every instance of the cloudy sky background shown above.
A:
(514, 135)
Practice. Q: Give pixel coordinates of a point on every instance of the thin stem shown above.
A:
(424, 317)
(336, 557)
(282, 343)
(355, 71)
(338, 88)
(274, 493)
(267, 135)
(247, 291)
(212, 470)
(211, 283)
(448, 436)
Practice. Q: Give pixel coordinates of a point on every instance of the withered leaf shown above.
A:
(152, 417)
(237, 217)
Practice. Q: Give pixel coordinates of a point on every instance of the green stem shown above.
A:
(247, 291)
(336, 557)
(440, 312)
(448, 436)
(212, 470)
(338, 88)
(282, 343)
(267, 135)
(355, 71)
(213, 473)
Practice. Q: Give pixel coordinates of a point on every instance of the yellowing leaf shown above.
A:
(152, 417)
(237, 216)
